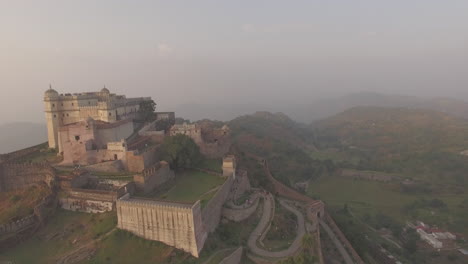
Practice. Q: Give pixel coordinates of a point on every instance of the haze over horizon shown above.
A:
(266, 53)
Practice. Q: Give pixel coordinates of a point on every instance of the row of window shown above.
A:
(63, 115)
(72, 104)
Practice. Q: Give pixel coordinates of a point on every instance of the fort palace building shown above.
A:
(102, 107)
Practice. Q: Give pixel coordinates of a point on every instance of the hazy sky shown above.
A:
(230, 51)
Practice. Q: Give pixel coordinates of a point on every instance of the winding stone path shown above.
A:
(264, 223)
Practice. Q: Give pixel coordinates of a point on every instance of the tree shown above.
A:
(181, 151)
(308, 241)
(147, 109)
(410, 241)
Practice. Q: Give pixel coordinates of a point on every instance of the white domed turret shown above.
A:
(51, 92)
(105, 90)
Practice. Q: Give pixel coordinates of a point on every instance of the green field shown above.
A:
(370, 197)
(192, 185)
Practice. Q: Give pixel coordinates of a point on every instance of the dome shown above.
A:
(105, 90)
(51, 93)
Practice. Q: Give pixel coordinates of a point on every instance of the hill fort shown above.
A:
(105, 153)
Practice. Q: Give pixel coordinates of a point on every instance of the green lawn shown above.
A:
(370, 197)
(64, 231)
(212, 164)
(191, 185)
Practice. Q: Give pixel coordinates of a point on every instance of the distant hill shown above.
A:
(15, 136)
(423, 144)
(325, 108)
(391, 130)
(284, 142)
(318, 109)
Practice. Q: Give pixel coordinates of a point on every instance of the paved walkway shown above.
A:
(264, 224)
(337, 243)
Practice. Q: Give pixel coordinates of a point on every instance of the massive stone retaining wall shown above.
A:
(176, 224)
(211, 213)
(17, 176)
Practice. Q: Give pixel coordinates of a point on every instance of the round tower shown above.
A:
(51, 102)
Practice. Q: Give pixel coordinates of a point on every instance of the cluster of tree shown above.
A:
(283, 142)
(181, 152)
(424, 203)
(164, 124)
(146, 111)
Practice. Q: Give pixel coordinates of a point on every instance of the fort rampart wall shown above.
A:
(211, 213)
(176, 224)
(20, 175)
(15, 155)
(312, 205)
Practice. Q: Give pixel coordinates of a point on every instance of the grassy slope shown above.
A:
(57, 237)
(20, 203)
